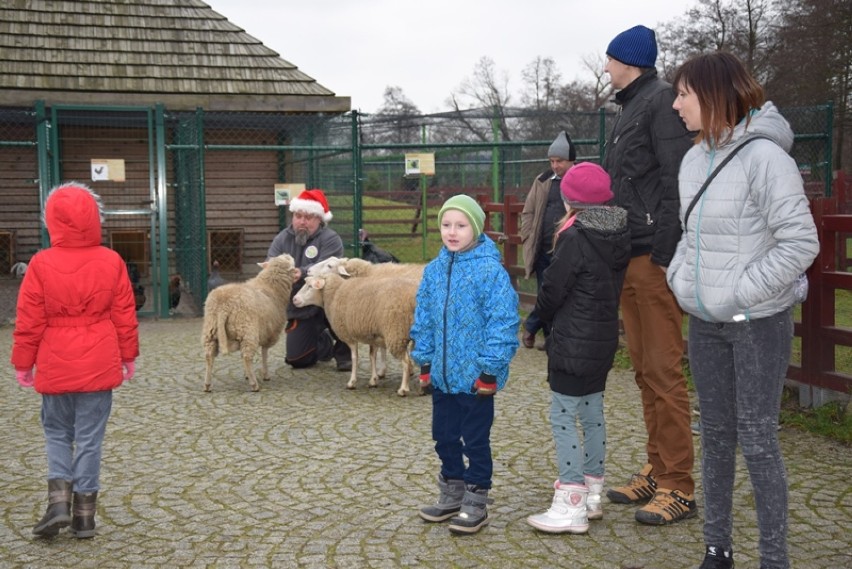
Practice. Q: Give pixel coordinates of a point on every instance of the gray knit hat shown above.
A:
(562, 147)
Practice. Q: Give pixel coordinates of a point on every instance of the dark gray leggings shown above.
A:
(739, 371)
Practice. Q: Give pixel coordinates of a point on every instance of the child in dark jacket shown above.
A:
(465, 335)
(579, 299)
(76, 325)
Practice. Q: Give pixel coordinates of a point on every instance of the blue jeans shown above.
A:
(739, 371)
(74, 427)
(574, 458)
(461, 426)
(533, 323)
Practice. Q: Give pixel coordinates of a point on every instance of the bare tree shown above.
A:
(541, 81)
(488, 88)
(813, 64)
(745, 28)
(396, 122)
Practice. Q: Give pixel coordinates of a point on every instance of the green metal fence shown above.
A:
(212, 176)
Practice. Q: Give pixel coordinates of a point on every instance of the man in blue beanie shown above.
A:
(642, 156)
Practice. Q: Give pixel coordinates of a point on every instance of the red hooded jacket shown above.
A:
(76, 316)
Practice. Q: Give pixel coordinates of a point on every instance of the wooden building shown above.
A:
(166, 109)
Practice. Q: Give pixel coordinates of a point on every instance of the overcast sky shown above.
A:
(358, 47)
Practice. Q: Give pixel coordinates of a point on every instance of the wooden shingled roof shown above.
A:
(140, 52)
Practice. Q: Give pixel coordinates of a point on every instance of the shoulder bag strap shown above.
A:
(716, 171)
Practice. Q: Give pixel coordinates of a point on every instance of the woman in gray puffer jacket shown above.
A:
(746, 240)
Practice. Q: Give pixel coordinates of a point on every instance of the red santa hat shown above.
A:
(312, 202)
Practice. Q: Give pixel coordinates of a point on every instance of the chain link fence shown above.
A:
(198, 198)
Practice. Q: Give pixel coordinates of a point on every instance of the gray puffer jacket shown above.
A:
(750, 234)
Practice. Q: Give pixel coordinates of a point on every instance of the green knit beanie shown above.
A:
(468, 206)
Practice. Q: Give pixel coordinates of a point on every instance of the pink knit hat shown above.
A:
(312, 202)
(586, 184)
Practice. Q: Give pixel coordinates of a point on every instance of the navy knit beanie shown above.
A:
(636, 46)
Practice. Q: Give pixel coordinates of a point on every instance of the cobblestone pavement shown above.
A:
(308, 474)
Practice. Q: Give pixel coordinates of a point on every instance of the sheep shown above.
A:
(247, 316)
(355, 267)
(376, 311)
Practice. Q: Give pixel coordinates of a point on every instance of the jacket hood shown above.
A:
(606, 229)
(769, 122)
(72, 214)
(604, 219)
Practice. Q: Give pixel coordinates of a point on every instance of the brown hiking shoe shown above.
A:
(640, 488)
(667, 507)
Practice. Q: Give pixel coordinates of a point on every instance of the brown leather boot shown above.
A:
(58, 514)
(83, 523)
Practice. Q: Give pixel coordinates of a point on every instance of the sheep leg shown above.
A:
(248, 361)
(374, 376)
(353, 377)
(210, 355)
(406, 375)
(264, 351)
(382, 362)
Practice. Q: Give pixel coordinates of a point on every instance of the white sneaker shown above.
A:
(567, 513)
(594, 509)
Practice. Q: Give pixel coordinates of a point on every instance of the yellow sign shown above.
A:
(420, 164)
(107, 170)
(286, 192)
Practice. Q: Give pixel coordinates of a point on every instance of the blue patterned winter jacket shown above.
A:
(466, 320)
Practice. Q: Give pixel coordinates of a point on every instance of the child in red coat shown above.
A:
(76, 325)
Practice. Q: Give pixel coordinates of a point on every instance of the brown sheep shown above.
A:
(247, 316)
(376, 311)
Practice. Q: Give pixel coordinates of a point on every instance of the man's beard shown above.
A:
(301, 237)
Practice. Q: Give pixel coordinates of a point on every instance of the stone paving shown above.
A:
(308, 474)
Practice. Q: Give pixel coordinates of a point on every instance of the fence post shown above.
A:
(357, 185)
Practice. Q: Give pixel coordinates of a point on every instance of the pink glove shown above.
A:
(25, 377)
(129, 370)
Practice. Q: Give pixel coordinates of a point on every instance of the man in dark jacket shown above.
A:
(643, 156)
(308, 240)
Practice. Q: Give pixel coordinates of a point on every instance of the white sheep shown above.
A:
(247, 316)
(376, 311)
(354, 267)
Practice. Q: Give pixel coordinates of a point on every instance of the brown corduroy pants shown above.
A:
(653, 324)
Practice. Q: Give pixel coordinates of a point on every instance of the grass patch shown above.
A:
(831, 420)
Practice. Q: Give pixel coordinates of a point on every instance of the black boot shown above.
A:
(83, 524)
(58, 514)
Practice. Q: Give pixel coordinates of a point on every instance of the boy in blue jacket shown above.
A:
(465, 335)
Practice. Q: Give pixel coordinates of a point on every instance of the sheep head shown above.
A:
(311, 293)
(326, 266)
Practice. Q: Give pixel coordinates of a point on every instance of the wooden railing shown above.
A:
(818, 328)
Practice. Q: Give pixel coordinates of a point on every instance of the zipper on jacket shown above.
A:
(444, 337)
(648, 219)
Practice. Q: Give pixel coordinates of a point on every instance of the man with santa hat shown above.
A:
(309, 240)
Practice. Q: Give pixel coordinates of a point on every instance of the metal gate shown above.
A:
(113, 150)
